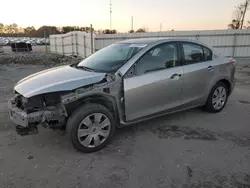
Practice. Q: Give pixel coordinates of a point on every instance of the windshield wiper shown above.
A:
(85, 68)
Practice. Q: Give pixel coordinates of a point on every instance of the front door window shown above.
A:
(161, 57)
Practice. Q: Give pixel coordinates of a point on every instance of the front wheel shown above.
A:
(217, 98)
(91, 127)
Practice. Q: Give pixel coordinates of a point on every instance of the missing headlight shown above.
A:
(19, 102)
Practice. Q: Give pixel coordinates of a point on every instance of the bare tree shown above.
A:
(239, 16)
(244, 6)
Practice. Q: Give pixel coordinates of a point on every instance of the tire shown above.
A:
(211, 105)
(86, 125)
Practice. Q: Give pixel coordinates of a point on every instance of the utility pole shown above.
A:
(244, 13)
(110, 11)
(132, 23)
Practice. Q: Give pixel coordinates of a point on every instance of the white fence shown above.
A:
(73, 43)
(234, 43)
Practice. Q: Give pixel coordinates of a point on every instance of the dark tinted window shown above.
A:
(193, 53)
(207, 54)
(160, 57)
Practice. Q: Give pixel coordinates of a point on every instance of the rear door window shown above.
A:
(193, 53)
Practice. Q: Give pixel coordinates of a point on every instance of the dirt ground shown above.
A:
(190, 149)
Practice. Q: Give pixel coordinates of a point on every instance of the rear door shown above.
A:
(197, 73)
(155, 82)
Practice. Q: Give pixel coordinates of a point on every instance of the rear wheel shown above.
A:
(217, 98)
(91, 127)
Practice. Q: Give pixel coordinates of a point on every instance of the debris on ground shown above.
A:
(244, 102)
(30, 157)
(189, 171)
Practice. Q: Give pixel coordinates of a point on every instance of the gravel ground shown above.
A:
(187, 149)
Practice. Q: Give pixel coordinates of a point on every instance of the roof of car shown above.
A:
(153, 40)
(142, 40)
(149, 41)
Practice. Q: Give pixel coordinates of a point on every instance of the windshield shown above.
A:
(111, 58)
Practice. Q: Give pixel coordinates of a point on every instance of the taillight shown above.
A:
(233, 62)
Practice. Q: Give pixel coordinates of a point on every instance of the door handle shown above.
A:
(175, 76)
(210, 68)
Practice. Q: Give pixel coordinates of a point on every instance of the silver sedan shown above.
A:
(122, 84)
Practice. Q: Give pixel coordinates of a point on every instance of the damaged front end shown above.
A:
(52, 109)
(44, 110)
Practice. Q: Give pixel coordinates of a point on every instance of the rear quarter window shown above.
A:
(208, 54)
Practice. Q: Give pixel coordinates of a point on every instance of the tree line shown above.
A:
(12, 30)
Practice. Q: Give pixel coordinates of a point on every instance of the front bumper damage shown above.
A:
(26, 123)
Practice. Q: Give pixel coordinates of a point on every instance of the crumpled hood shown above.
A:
(63, 78)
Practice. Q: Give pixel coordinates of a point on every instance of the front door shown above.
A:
(156, 84)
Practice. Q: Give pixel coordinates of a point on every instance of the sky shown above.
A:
(173, 14)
